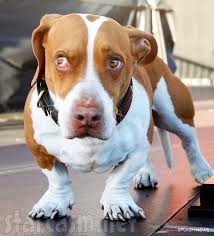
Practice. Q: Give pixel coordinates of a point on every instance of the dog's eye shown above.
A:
(114, 64)
(62, 63)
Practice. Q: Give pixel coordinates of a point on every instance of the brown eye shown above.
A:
(114, 64)
(62, 63)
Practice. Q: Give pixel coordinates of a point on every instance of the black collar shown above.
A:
(124, 104)
(44, 100)
(46, 103)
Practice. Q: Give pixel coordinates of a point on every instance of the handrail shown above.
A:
(193, 62)
(192, 69)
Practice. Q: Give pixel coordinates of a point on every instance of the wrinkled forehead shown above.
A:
(77, 31)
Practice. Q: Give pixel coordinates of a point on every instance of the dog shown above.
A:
(98, 90)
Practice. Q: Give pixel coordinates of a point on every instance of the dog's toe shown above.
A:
(124, 213)
(52, 206)
(32, 213)
(145, 178)
(121, 208)
(40, 214)
(201, 171)
(202, 177)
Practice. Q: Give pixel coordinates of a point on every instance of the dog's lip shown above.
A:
(87, 135)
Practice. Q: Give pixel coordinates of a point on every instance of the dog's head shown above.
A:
(87, 62)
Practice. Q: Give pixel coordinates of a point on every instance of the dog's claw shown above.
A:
(33, 214)
(142, 214)
(146, 177)
(55, 213)
(139, 186)
(41, 214)
(120, 217)
(120, 207)
(71, 206)
(110, 217)
(52, 205)
(128, 215)
(30, 213)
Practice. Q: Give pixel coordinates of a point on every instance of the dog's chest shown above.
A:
(92, 154)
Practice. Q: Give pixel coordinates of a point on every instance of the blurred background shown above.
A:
(186, 28)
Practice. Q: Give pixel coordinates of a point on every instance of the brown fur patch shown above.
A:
(179, 93)
(110, 43)
(73, 46)
(44, 160)
(92, 18)
(61, 39)
(181, 99)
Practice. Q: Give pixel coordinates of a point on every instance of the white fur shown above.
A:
(200, 169)
(58, 198)
(167, 146)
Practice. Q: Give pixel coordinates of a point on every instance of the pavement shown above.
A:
(22, 184)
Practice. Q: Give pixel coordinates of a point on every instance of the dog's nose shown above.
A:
(87, 117)
(87, 113)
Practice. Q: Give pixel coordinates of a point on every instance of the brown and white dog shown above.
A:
(91, 65)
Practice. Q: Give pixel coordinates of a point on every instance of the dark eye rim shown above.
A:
(59, 54)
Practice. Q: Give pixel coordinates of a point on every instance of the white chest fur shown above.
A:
(89, 153)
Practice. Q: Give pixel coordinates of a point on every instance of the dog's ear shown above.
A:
(143, 45)
(37, 43)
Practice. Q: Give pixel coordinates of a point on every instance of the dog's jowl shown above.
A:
(98, 90)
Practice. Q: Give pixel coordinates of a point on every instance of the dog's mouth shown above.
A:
(87, 133)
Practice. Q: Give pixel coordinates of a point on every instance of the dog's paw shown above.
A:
(146, 177)
(119, 206)
(201, 171)
(52, 205)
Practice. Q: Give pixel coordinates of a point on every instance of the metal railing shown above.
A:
(193, 70)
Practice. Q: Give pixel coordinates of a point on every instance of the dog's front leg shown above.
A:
(116, 200)
(58, 198)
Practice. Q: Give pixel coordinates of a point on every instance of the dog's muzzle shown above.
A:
(86, 119)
